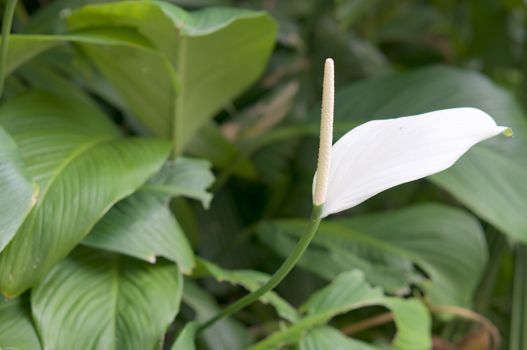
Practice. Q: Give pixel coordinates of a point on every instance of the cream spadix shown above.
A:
(381, 154)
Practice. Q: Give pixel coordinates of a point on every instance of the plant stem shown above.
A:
(9, 12)
(277, 277)
(518, 326)
(498, 247)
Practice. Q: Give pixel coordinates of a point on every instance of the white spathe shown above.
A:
(381, 154)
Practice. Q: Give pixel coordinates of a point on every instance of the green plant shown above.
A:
(155, 156)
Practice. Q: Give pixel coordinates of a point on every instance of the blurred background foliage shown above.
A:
(263, 149)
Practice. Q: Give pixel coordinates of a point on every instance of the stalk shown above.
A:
(278, 276)
(518, 333)
(7, 21)
(319, 197)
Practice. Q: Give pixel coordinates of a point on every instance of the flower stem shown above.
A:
(278, 276)
(9, 12)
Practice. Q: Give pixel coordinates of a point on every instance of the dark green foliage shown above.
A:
(141, 141)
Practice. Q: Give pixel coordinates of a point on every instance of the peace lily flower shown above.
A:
(381, 154)
(374, 157)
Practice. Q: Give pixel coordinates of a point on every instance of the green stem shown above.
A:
(9, 12)
(518, 339)
(498, 247)
(278, 276)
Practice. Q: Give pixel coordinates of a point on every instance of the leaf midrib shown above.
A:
(180, 95)
(77, 153)
(60, 169)
(114, 297)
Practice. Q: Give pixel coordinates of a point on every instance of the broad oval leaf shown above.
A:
(142, 224)
(98, 300)
(349, 291)
(239, 40)
(486, 179)
(184, 177)
(446, 243)
(17, 189)
(16, 327)
(82, 166)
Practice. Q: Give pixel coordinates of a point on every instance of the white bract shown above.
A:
(381, 154)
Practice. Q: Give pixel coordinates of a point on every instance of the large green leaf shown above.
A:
(16, 188)
(98, 300)
(184, 177)
(143, 226)
(185, 339)
(215, 54)
(226, 334)
(23, 48)
(82, 165)
(325, 338)
(446, 243)
(209, 142)
(488, 179)
(251, 280)
(16, 327)
(349, 291)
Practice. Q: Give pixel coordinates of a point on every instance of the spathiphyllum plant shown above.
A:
(374, 157)
(158, 163)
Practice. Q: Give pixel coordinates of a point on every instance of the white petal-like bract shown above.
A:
(381, 154)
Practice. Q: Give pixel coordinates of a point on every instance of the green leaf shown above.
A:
(488, 178)
(17, 189)
(240, 41)
(184, 177)
(446, 243)
(349, 291)
(251, 280)
(49, 18)
(97, 300)
(143, 226)
(225, 334)
(16, 328)
(22, 48)
(185, 339)
(324, 338)
(211, 144)
(82, 166)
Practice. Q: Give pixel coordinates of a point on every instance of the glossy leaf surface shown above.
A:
(446, 243)
(18, 191)
(16, 326)
(239, 40)
(82, 166)
(98, 300)
(143, 226)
